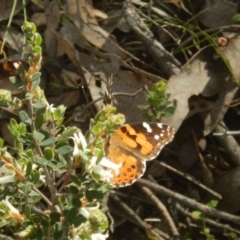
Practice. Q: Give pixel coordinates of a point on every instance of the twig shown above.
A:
(220, 29)
(42, 196)
(101, 98)
(191, 179)
(133, 217)
(229, 144)
(165, 60)
(160, 206)
(207, 174)
(190, 202)
(207, 220)
(226, 133)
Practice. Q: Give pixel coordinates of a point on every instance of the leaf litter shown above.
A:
(193, 47)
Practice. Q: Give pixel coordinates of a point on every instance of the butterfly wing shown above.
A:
(132, 168)
(144, 140)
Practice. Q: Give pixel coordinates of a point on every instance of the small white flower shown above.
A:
(75, 237)
(25, 232)
(79, 140)
(51, 108)
(7, 157)
(105, 162)
(7, 179)
(13, 212)
(99, 236)
(105, 169)
(86, 211)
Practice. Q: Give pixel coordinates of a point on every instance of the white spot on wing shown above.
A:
(147, 126)
(159, 125)
(156, 137)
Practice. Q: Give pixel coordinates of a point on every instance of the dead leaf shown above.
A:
(68, 99)
(197, 77)
(129, 83)
(6, 7)
(187, 155)
(220, 107)
(71, 52)
(217, 13)
(82, 15)
(7, 85)
(39, 19)
(14, 39)
(228, 186)
(53, 18)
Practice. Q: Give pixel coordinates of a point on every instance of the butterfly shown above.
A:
(132, 145)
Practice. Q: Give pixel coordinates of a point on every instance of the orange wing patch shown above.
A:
(135, 140)
(131, 169)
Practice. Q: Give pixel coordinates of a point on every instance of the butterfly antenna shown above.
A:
(108, 92)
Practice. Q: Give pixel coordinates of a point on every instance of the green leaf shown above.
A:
(79, 220)
(75, 180)
(27, 188)
(54, 164)
(76, 202)
(13, 80)
(39, 105)
(29, 153)
(39, 160)
(54, 217)
(100, 155)
(197, 214)
(97, 128)
(45, 223)
(39, 234)
(48, 142)
(58, 234)
(71, 215)
(236, 18)
(36, 83)
(24, 117)
(206, 230)
(84, 155)
(1, 142)
(35, 177)
(73, 190)
(213, 203)
(39, 121)
(27, 211)
(13, 123)
(59, 112)
(28, 96)
(64, 150)
(22, 128)
(37, 50)
(93, 195)
(33, 200)
(29, 168)
(36, 76)
(62, 159)
(29, 28)
(38, 136)
(48, 153)
(38, 39)
(61, 144)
